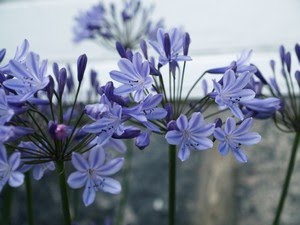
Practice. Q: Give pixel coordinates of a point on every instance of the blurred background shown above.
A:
(211, 189)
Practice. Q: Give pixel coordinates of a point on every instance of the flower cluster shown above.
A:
(43, 130)
(287, 117)
(108, 25)
(141, 97)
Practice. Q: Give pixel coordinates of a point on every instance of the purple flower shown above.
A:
(93, 173)
(11, 133)
(108, 119)
(232, 138)
(29, 77)
(6, 112)
(58, 131)
(134, 76)
(9, 169)
(262, 108)
(20, 56)
(232, 92)
(143, 140)
(169, 46)
(190, 135)
(92, 23)
(240, 65)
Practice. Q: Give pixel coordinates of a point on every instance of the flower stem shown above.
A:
(125, 187)
(172, 184)
(63, 193)
(287, 179)
(29, 199)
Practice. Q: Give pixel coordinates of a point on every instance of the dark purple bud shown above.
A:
(58, 131)
(217, 70)
(297, 50)
(108, 90)
(153, 70)
(233, 66)
(93, 78)
(2, 78)
(169, 109)
(70, 79)
(128, 134)
(172, 125)
(273, 64)
(62, 79)
(218, 123)
(55, 71)
(143, 45)
(204, 87)
(186, 43)
(81, 65)
(129, 54)
(167, 45)
(121, 50)
(297, 76)
(143, 140)
(259, 75)
(288, 61)
(2, 54)
(282, 54)
(50, 88)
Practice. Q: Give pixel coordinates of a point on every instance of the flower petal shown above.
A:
(174, 137)
(79, 162)
(89, 194)
(111, 186)
(111, 167)
(96, 157)
(77, 179)
(16, 179)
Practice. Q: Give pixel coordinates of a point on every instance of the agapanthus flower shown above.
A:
(6, 112)
(11, 133)
(20, 56)
(242, 64)
(261, 108)
(108, 25)
(134, 76)
(93, 173)
(107, 122)
(233, 92)
(233, 137)
(9, 169)
(29, 77)
(287, 118)
(190, 135)
(169, 46)
(92, 23)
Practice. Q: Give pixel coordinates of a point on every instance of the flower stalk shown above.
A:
(63, 193)
(28, 186)
(172, 184)
(287, 180)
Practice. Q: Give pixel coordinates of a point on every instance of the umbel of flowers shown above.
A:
(287, 118)
(106, 24)
(40, 130)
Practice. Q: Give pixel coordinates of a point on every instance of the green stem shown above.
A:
(172, 184)
(63, 193)
(7, 205)
(125, 187)
(287, 179)
(29, 199)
